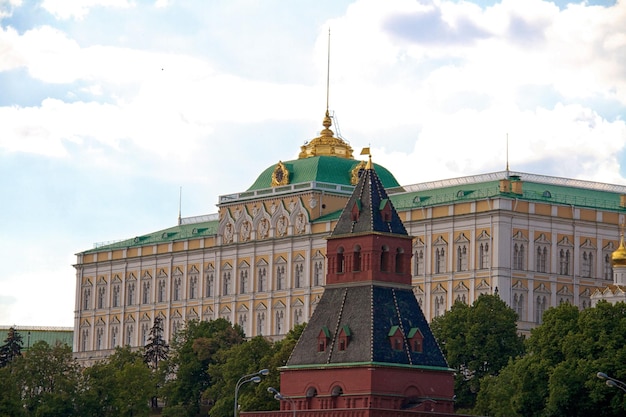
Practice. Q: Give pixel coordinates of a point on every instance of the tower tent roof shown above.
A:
(369, 209)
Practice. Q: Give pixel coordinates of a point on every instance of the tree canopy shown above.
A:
(477, 340)
(557, 376)
(11, 348)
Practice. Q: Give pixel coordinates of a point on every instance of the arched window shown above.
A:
(356, 258)
(399, 261)
(384, 258)
(340, 261)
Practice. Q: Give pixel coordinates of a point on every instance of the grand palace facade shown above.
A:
(260, 262)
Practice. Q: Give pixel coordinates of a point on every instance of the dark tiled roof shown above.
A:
(371, 201)
(329, 169)
(369, 311)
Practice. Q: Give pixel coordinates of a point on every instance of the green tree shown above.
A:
(245, 359)
(557, 376)
(11, 348)
(155, 353)
(49, 378)
(10, 399)
(122, 385)
(194, 348)
(477, 341)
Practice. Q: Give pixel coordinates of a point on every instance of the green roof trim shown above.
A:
(383, 203)
(413, 332)
(393, 330)
(180, 232)
(346, 330)
(326, 331)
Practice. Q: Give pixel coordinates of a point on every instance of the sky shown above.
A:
(115, 114)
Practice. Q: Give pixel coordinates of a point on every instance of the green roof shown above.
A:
(31, 335)
(328, 169)
(182, 231)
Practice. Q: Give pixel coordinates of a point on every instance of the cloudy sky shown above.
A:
(109, 107)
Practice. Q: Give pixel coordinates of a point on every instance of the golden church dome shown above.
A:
(326, 144)
(619, 256)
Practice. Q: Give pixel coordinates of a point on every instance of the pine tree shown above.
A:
(11, 348)
(156, 349)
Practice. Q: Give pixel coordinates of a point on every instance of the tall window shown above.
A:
(177, 288)
(210, 278)
(384, 258)
(519, 256)
(318, 272)
(226, 283)
(86, 298)
(483, 255)
(542, 258)
(356, 258)
(586, 264)
(564, 262)
(399, 261)
(145, 296)
(193, 286)
(440, 260)
(280, 321)
(299, 275)
(297, 316)
(129, 334)
(461, 260)
(145, 329)
(419, 262)
(608, 267)
(540, 308)
(161, 292)
(341, 262)
(84, 339)
(243, 281)
(130, 293)
(116, 295)
(99, 336)
(260, 323)
(262, 278)
(280, 277)
(114, 333)
(440, 305)
(518, 305)
(101, 294)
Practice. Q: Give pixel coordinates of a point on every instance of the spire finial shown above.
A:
(328, 74)
(180, 199)
(366, 151)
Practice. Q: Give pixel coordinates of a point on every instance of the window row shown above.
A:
(227, 282)
(461, 255)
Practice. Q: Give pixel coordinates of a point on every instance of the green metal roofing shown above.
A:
(182, 231)
(532, 191)
(330, 169)
(31, 335)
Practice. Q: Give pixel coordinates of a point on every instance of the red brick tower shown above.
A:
(368, 349)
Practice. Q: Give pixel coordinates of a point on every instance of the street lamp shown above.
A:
(281, 397)
(255, 377)
(612, 382)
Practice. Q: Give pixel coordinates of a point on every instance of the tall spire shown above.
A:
(326, 144)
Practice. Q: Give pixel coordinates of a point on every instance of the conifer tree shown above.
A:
(156, 349)
(11, 348)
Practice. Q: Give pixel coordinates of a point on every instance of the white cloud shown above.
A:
(78, 9)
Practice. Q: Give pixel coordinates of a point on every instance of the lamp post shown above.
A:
(255, 377)
(612, 382)
(281, 397)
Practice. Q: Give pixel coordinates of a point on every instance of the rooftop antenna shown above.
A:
(180, 199)
(507, 155)
(328, 72)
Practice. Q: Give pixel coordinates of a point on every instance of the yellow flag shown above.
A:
(365, 151)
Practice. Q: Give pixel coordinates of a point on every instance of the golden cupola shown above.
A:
(619, 255)
(326, 144)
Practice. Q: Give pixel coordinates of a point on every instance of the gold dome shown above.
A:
(619, 256)
(326, 144)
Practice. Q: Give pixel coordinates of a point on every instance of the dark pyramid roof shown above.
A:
(372, 203)
(370, 312)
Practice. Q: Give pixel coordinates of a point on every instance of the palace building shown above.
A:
(261, 261)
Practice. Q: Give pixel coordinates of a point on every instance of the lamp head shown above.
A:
(602, 375)
(264, 372)
(272, 390)
(256, 379)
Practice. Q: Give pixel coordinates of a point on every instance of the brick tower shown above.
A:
(368, 349)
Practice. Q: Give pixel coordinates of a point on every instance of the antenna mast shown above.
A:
(507, 154)
(328, 73)
(180, 199)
